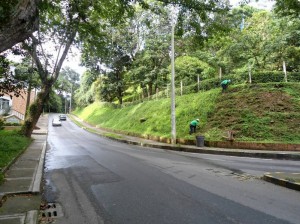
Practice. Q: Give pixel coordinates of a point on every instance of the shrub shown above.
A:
(11, 124)
(1, 123)
(239, 77)
(271, 76)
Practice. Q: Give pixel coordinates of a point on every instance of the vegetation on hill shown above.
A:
(126, 53)
(256, 113)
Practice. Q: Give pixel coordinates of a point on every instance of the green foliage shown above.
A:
(149, 70)
(187, 68)
(33, 108)
(6, 9)
(85, 95)
(8, 83)
(288, 7)
(1, 123)
(54, 104)
(11, 144)
(251, 39)
(260, 113)
(26, 73)
(11, 124)
(157, 114)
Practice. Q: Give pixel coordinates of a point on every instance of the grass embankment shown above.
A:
(11, 145)
(257, 113)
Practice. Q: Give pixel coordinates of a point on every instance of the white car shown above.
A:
(56, 122)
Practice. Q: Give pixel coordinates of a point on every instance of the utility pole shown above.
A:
(173, 114)
(71, 98)
(65, 104)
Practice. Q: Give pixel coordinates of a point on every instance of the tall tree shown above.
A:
(284, 45)
(85, 94)
(250, 45)
(150, 68)
(63, 23)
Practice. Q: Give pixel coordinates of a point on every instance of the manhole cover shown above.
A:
(50, 211)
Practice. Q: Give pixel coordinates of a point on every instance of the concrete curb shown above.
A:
(193, 149)
(36, 186)
(21, 217)
(31, 217)
(271, 155)
(281, 182)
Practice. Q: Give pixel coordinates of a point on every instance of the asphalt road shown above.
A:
(97, 180)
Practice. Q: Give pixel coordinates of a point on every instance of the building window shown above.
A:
(4, 106)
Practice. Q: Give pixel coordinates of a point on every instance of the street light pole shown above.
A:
(173, 114)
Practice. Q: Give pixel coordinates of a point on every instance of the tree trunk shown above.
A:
(28, 97)
(35, 110)
(120, 95)
(198, 82)
(284, 70)
(150, 88)
(249, 72)
(21, 23)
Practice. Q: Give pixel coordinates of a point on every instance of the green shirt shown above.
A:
(194, 122)
(225, 82)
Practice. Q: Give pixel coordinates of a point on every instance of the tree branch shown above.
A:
(64, 54)
(32, 50)
(20, 24)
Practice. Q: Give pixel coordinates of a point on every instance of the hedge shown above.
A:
(207, 84)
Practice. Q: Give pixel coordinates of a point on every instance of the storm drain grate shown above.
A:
(51, 210)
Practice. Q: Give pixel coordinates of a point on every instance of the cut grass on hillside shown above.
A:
(156, 115)
(257, 113)
(11, 145)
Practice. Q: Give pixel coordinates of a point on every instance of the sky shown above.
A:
(73, 61)
(261, 4)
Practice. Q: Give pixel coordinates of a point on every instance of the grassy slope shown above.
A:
(260, 113)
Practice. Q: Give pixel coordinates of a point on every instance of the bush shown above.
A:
(1, 124)
(11, 124)
(239, 77)
(293, 76)
(271, 76)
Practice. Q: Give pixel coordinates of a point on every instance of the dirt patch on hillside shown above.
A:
(256, 113)
(261, 102)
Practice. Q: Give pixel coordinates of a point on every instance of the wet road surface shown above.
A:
(97, 180)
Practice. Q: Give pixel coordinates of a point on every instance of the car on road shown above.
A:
(56, 122)
(62, 117)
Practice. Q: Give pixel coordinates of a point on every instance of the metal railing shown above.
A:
(17, 114)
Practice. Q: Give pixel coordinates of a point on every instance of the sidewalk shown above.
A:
(20, 196)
